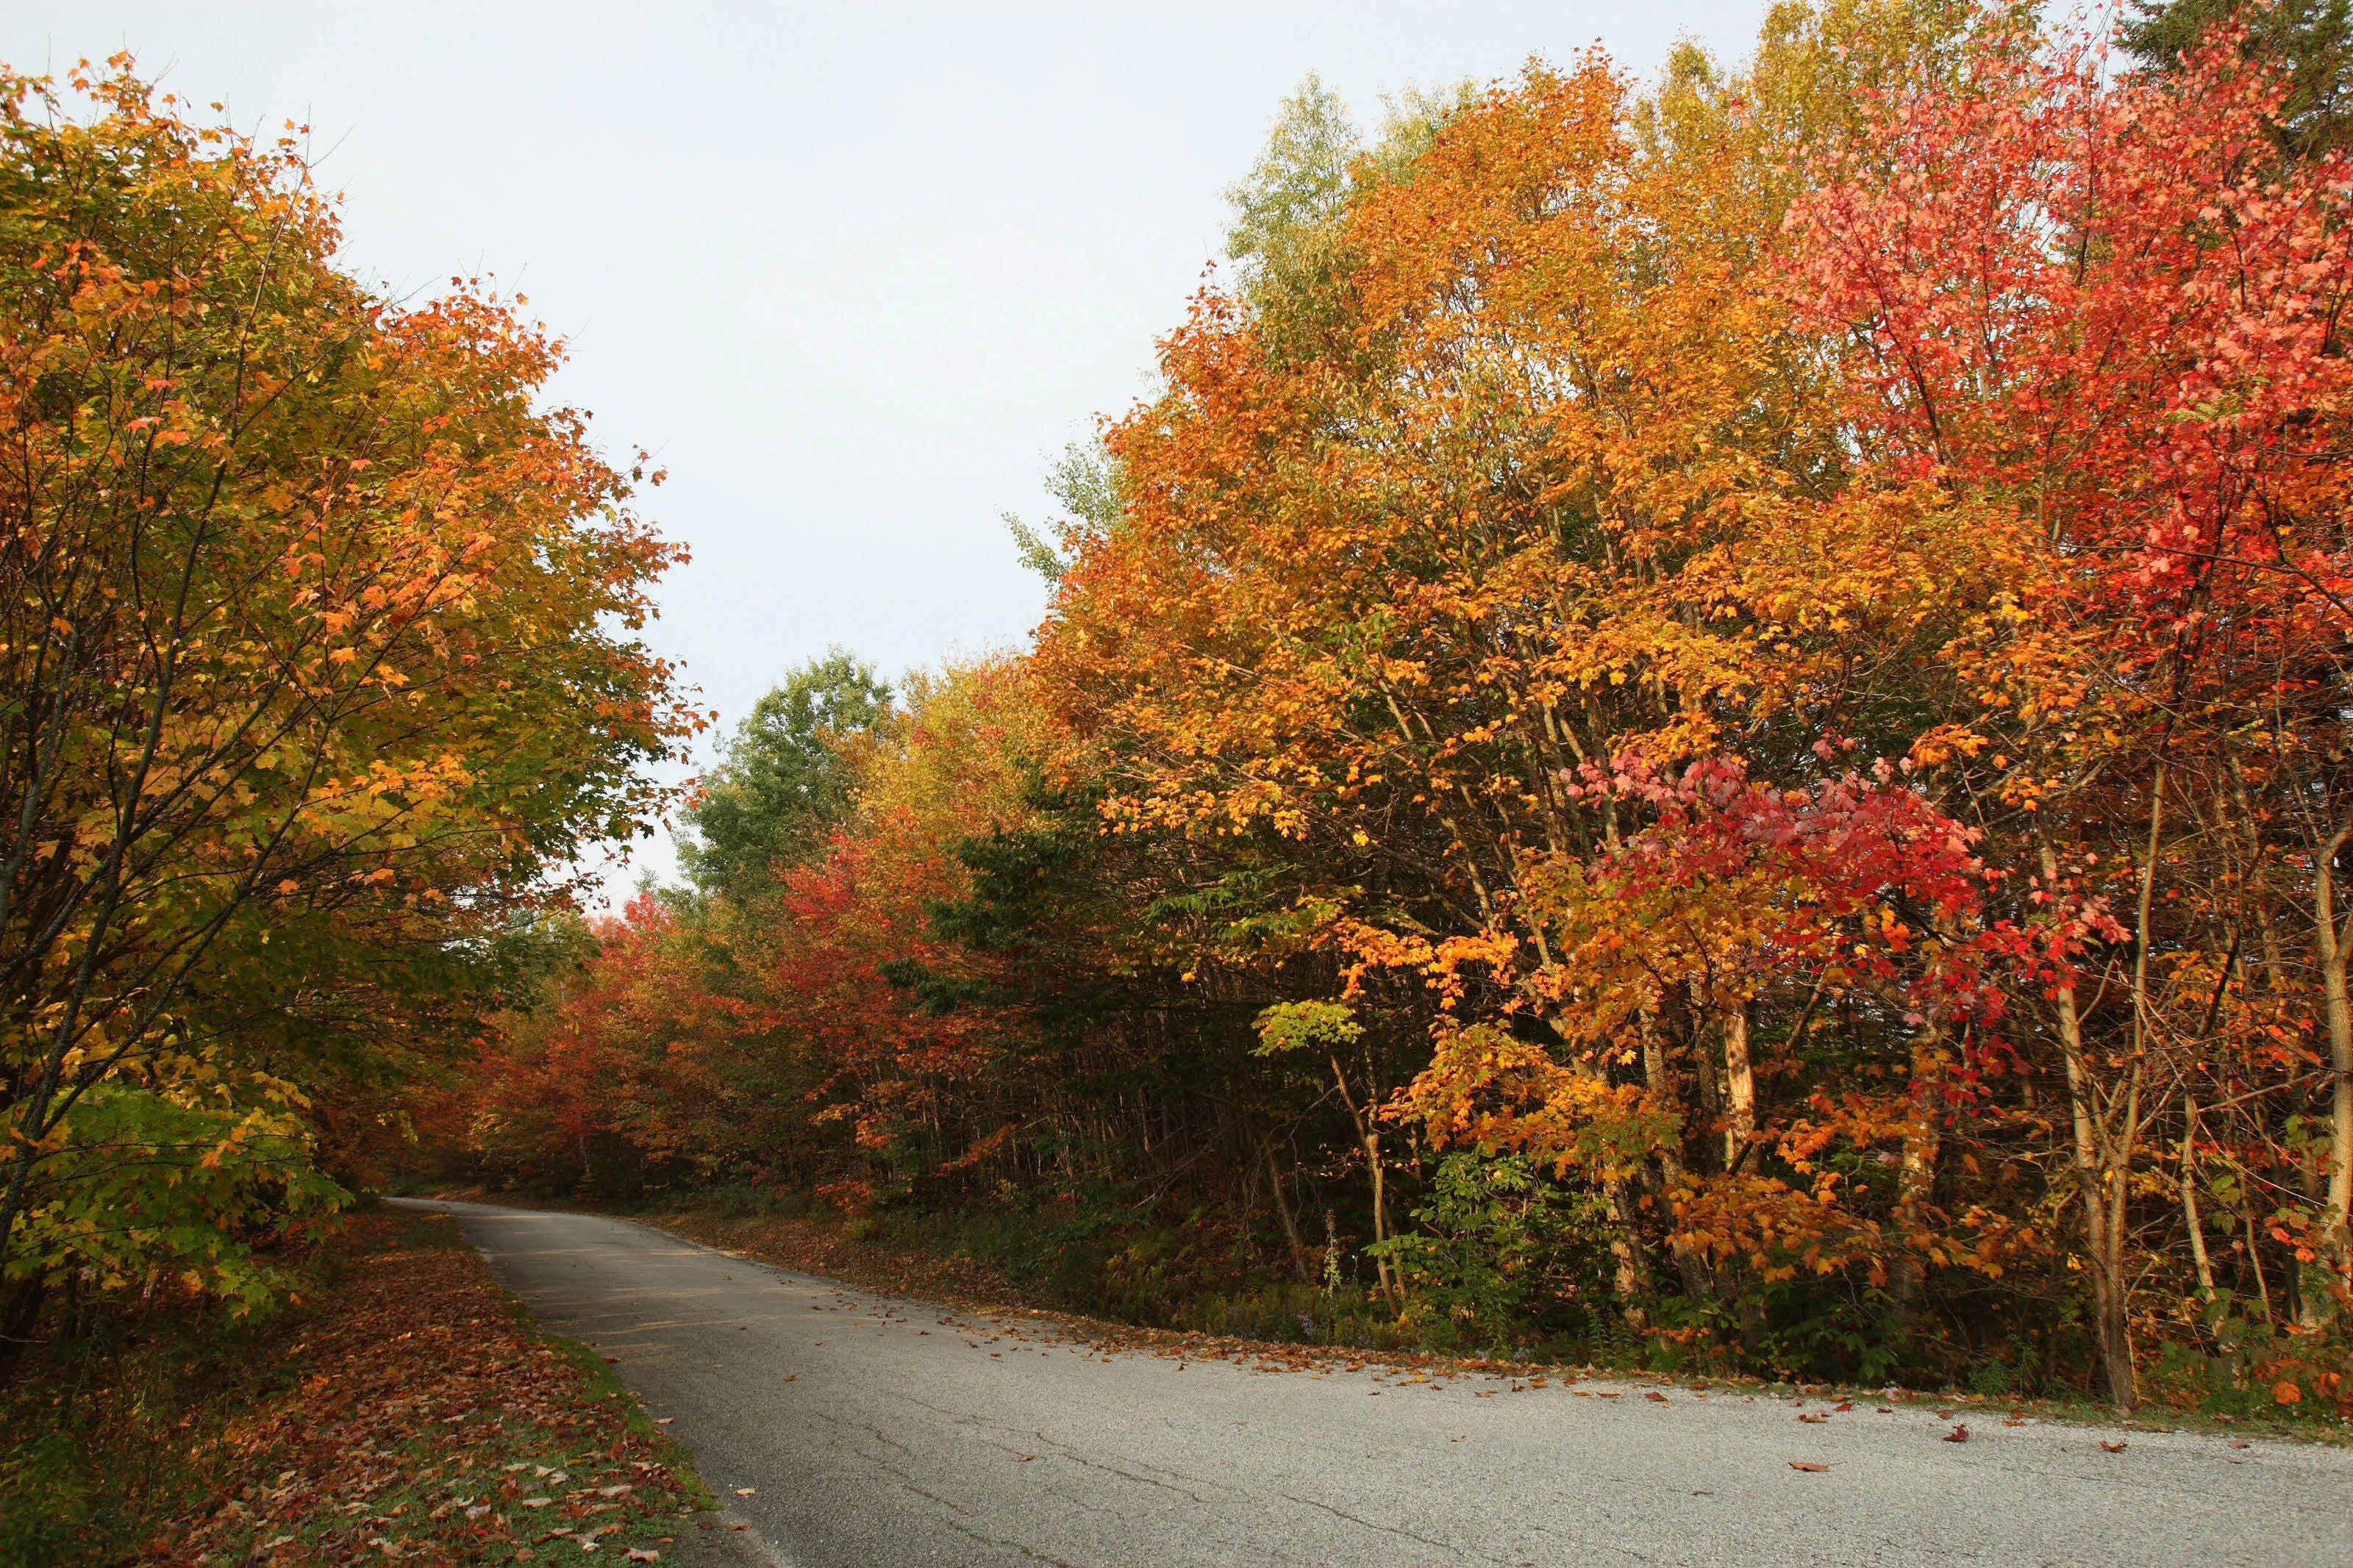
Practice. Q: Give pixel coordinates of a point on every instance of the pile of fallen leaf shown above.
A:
(428, 1422)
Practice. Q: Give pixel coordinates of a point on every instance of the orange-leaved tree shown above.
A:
(2107, 318)
(316, 650)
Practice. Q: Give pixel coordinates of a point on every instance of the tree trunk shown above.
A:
(2189, 1198)
(1306, 1270)
(1672, 1177)
(1633, 1277)
(1370, 1137)
(1740, 1078)
(1633, 1273)
(2337, 1243)
(1923, 1139)
(2101, 1240)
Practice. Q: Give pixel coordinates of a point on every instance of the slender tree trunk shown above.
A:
(1283, 1208)
(18, 1322)
(2105, 1248)
(1922, 1140)
(2255, 1262)
(1369, 1137)
(1632, 1269)
(1671, 1176)
(2189, 1197)
(2337, 1243)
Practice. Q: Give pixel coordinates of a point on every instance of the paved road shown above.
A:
(876, 1433)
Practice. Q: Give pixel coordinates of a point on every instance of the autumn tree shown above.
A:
(1751, 664)
(2136, 372)
(2308, 42)
(320, 655)
(782, 783)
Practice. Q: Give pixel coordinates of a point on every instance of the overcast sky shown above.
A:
(854, 273)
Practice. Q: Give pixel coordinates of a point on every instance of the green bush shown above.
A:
(1499, 1249)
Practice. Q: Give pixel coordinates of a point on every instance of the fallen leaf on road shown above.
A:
(2112, 1448)
(1843, 1404)
(1944, 1415)
(1802, 1465)
(1655, 1394)
(791, 1376)
(1813, 1420)
(1957, 1435)
(1027, 1458)
(746, 1492)
(2240, 1443)
(664, 1420)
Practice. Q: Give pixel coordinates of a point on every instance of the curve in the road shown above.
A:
(855, 1431)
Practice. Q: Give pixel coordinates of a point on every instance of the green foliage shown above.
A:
(1035, 552)
(1836, 1330)
(144, 1184)
(1086, 479)
(1306, 1026)
(1500, 1248)
(782, 782)
(2240, 1363)
(1285, 234)
(2308, 41)
(1298, 187)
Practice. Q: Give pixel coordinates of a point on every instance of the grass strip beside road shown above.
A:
(431, 1422)
(405, 1410)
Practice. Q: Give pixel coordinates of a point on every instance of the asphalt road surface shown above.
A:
(851, 1430)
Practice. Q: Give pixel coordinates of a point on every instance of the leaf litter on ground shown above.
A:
(432, 1423)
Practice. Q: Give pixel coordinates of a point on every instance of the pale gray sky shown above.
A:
(854, 273)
